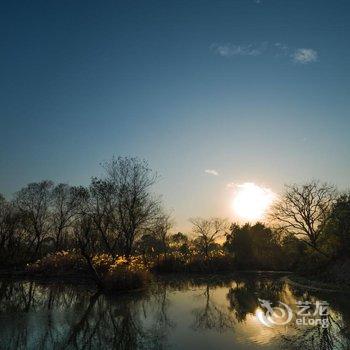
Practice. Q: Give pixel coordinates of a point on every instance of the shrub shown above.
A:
(311, 263)
(102, 262)
(115, 274)
(125, 279)
(57, 263)
(126, 274)
(170, 264)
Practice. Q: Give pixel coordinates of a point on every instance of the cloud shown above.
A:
(231, 185)
(281, 49)
(278, 50)
(211, 172)
(229, 50)
(305, 56)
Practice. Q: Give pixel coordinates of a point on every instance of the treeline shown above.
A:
(107, 216)
(308, 232)
(118, 215)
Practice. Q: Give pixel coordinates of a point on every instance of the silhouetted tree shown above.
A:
(294, 251)
(136, 208)
(180, 243)
(254, 246)
(148, 246)
(304, 211)
(86, 240)
(11, 242)
(208, 230)
(66, 202)
(33, 203)
(102, 207)
(339, 227)
(160, 231)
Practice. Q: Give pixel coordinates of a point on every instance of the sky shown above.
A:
(213, 94)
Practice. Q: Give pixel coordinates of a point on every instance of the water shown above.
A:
(173, 313)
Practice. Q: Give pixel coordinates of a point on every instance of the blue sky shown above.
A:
(255, 90)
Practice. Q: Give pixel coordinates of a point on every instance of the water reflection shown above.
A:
(210, 315)
(176, 313)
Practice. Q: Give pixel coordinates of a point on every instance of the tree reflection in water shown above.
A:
(243, 296)
(335, 336)
(212, 315)
(77, 319)
(36, 316)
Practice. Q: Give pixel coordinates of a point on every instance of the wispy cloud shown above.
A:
(229, 50)
(305, 56)
(280, 49)
(277, 50)
(211, 172)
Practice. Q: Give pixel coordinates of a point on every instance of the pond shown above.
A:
(175, 312)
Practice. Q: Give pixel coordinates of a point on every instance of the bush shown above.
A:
(311, 263)
(102, 262)
(116, 274)
(338, 272)
(125, 279)
(57, 263)
(170, 264)
(126, 274)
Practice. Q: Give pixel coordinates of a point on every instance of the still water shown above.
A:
(173, 313)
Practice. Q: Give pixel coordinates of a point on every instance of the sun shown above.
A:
(250, 201)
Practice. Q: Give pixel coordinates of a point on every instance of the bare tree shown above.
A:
(4, 214)
(66, 201)
(10, 238)
(33, 202)
(208, 231)
(304, 210)
(161, 230)
(102, 207)
(86, 241)
(136, 208)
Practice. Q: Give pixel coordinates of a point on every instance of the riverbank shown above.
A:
(88, 283)
(316, 285)
(120, 274)
(107, 273)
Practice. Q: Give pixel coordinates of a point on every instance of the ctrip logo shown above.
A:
(274, 316)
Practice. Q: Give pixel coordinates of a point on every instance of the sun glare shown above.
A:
(250, 201)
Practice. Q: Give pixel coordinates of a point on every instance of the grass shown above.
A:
(57, 264)
(116, 274)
